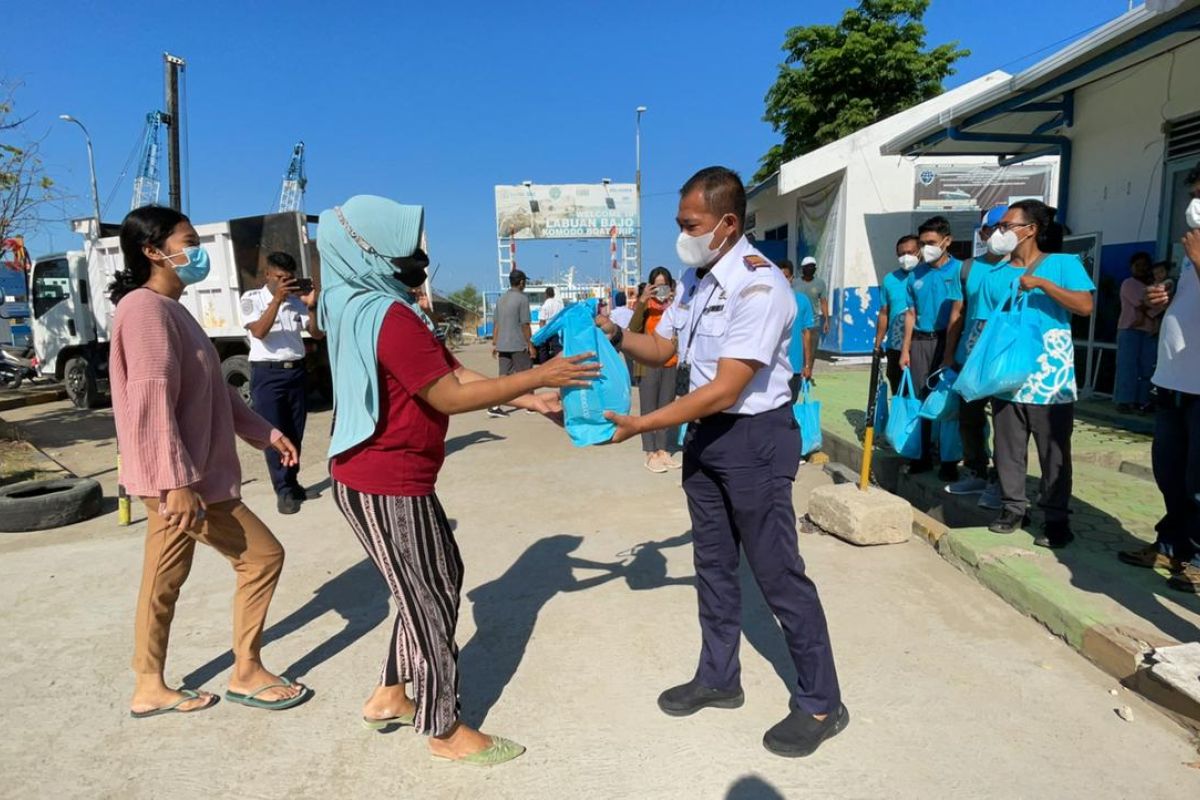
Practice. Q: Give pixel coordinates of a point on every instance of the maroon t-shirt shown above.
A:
(406, 451)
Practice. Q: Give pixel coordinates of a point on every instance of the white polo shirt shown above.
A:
(1178, 358)
(284, 341)
(742, 308)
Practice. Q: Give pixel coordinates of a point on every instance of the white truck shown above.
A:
(72, 315)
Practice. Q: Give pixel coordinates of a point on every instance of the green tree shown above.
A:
(467, 297)
(840, 78)
(25, 188)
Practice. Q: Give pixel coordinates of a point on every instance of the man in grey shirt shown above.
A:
(814, 288)
(511, 334)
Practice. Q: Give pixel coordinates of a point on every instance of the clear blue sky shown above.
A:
(435, 103)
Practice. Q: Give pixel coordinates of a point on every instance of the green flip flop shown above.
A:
(252, 700)
(498, 752)
(174, 708)
(378, 724)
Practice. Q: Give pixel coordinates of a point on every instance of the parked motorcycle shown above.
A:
(17, 363)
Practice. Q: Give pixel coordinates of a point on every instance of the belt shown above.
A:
(927, 336)
(729, 417)
(278, 364)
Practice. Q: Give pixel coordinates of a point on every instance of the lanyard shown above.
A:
(696, 324)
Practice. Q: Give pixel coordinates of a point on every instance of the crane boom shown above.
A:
(291, 196)
(146, 184)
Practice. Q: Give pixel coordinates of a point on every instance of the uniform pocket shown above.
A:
(712, 325)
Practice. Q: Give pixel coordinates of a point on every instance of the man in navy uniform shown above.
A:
(274, 318)
(731, 325)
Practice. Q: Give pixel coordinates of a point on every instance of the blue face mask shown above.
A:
(197, 267)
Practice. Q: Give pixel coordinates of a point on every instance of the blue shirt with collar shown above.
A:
(932, 292)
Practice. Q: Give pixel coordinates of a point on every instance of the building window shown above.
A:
(779, 234)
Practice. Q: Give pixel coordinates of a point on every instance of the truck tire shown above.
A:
(38, 505)
(80, 382)
(236, 372)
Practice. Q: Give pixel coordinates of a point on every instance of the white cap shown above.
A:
(807, 260)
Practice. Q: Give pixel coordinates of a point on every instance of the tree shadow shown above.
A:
(506, 610)
(647, 570)
(752, 787)
(358, 595)
(60, 428)
(453, 445)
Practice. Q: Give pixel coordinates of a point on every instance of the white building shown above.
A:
(1121, 107)
(845, 204)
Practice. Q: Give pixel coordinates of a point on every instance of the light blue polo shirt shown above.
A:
(1053, 381)
(804, 321)
(932, 292)
(895, 296)
(978, 306)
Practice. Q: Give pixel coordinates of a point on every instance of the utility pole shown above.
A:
(171, 66)
(638, 190)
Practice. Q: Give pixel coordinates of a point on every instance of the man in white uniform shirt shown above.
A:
(274, 318)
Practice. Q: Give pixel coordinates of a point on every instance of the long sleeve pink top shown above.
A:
(176, 417)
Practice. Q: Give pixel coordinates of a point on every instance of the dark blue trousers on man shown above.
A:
(1175, 456)
(280, 397)
(738, 473)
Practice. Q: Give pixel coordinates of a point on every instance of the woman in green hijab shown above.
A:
(394, 387)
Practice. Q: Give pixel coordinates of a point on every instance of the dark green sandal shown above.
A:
(174, 708)
(375, 724)
(252, 700)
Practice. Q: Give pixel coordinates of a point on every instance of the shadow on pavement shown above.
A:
(752, 787)
(53, 430)
(464, 441)
(506, 611)
(358, 595)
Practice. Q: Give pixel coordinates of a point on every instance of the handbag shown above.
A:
(942, 401)
(584, 406)
(1006, 353)
(808, 414)
(903, 425)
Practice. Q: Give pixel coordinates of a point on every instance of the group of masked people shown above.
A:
(395, 386)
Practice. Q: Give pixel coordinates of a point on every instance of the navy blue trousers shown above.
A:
(280, 397)
(738, 473)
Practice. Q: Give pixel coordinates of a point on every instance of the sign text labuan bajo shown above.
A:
(566, 211)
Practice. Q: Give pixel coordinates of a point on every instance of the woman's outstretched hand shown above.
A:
(562, 371)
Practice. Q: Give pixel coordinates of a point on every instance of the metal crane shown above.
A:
(147, 182)
(291, 196)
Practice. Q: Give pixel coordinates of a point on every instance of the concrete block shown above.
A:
(862, 518)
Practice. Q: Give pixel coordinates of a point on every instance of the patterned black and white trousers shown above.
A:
(411, 544)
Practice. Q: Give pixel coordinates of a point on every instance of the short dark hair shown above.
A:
(1194, 175)
(283, 261)
(724, 192)
(148, 225)
(1050, 233)
(516, 278)
(549, 291)
(785, 263)
(1141, 255)
(939, 225)
(664, 272)
(908, 237)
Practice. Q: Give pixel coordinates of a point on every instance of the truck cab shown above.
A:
(64, 330)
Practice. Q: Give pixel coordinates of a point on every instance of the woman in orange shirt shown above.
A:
(657, 387)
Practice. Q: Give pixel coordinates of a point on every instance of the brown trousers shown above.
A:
(232, 530)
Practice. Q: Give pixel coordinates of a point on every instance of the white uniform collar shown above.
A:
(724, 271)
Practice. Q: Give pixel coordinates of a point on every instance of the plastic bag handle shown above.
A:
(906, 383)
(805, 390)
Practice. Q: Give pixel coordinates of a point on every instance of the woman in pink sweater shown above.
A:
(176, 422)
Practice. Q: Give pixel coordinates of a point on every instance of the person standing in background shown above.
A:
(799, 349)
(550, 308)
(816, 291)
(274, 317)
(889, 329)
(621, 313)
(1137, 339)
(512, 341)
(657, 387)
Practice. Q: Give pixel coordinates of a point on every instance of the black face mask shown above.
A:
(411, 270)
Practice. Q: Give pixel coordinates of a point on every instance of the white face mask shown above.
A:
(697, 251)
(1193, 213)
(908, 262)
(930, 253)
(1003, 243)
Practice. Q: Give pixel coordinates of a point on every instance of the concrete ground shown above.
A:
(578, 610)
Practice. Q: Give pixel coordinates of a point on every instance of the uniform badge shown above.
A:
(247, 306)
(754, 262)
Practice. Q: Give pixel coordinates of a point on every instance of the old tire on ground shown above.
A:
(38, 505)
(80, 383)
(236, 372)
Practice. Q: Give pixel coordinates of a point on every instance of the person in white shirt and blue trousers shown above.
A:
(275, 318)
(730, 326)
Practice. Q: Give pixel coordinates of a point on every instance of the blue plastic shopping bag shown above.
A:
(584, 406)
(904, 422)
(881, 409)
(942, 401)
(950, 446)
(808, 413)
(1006, 353)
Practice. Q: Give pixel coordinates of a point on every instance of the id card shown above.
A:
(683, 378)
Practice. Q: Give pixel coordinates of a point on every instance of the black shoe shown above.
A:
(800, 733)
(917, 467)
(299, 493)
(495, 412)
(1055, 535)
(1008, 522)
(288, 504)
(689, 698)
(948, 473)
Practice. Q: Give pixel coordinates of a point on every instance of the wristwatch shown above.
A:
(617, 339)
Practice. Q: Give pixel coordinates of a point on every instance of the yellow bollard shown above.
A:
(124, 512)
